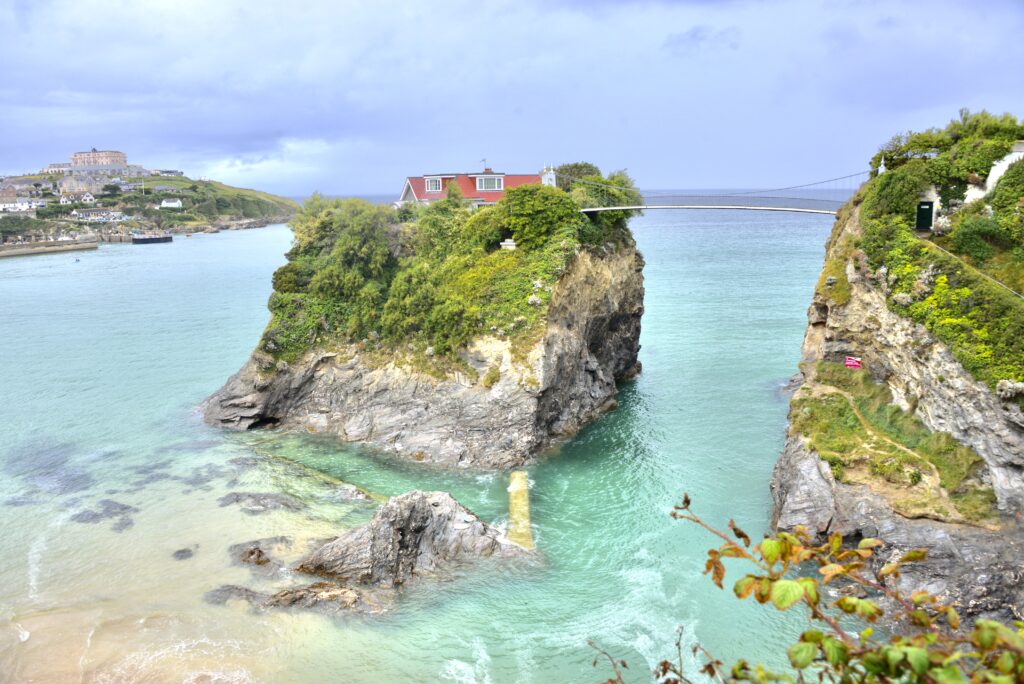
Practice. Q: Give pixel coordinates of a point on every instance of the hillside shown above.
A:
(203, 202)
(907, 423)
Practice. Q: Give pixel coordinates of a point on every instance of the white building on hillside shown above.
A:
(171, 204)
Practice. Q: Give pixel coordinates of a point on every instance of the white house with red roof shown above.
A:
(479, 189)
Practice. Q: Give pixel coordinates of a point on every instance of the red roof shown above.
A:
(467, 184)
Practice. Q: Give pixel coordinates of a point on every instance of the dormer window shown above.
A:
(433, 184)
(490, 183)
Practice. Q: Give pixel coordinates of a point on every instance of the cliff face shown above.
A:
(498, 419)
(972, 565)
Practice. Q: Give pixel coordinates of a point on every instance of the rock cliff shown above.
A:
(975, 566)
(499, 415)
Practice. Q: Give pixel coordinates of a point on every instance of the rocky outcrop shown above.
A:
(921, 372)
(415, 535)
(411, 535)
(590, 341)
(974, 567)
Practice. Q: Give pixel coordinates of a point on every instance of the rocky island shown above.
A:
(907, 424)
(447, 335)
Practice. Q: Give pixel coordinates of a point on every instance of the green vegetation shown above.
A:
(427, 286)
(859, 427)
(24, 225)
(981, 322)
(202, 201)
(843, 592)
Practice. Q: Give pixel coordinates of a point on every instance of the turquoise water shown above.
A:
(105, 356)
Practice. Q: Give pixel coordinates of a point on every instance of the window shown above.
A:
(433, 185)
(490, 183)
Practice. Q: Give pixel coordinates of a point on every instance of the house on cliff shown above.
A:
(479, 189)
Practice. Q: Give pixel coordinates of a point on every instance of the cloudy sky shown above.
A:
(350, 97)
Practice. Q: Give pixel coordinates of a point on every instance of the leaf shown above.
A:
(952, 617)
(810, 589)
(893, 656)
(888, 569)
(785, 593)
(948, 675)
(836, 652)
(744, 586)
(1006, 662)
(740, 534)
(771, 549)
(869, 543)
(914, 555)
(813, 636)
(918, 659)
(801, 654)
(831, 570)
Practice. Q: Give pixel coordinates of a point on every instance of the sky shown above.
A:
(351, 97)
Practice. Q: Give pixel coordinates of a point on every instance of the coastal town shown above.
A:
(98, 196)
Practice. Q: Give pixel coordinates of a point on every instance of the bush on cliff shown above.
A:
(356, 273)
(981, 322)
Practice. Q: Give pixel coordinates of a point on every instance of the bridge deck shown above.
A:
(641, 207)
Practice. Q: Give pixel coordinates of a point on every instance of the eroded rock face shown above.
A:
(590, 342)
(977, 569)
(414, 534)
(924, 376)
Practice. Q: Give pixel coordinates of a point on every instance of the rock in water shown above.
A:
(413, 534)
(590, 341)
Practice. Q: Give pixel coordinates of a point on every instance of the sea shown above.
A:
(119, 505)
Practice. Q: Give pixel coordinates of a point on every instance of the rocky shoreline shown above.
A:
(976, 567)
(497, 415)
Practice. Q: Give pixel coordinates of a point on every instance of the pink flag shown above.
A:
(852, 362)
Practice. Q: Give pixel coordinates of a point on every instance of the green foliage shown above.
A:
(982, 323)
(844, 589)
(565, 173)
(1009, 191)
(25, 225)
(980, 238)
(533, 213)
(896, 192)
(356, 273)
(111, 189)
(862, 428)
(492, 376)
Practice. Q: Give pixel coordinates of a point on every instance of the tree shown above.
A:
(565, 173)
(790, 571)
(532, 213)
(111, 189)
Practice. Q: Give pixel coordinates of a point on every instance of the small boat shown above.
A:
(150, 238)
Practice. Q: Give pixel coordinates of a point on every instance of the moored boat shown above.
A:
(148, 238)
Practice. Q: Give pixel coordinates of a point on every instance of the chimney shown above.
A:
(487, 169)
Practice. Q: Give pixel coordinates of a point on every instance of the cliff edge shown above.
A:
(428, 338)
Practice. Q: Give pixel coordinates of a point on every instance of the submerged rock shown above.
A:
(567, 379)
(108, 510)
(255, 503)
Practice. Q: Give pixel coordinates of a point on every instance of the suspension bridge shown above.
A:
(818, 197)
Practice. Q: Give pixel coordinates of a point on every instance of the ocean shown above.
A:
(108, 471)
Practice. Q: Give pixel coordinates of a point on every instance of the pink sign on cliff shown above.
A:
(852, 362)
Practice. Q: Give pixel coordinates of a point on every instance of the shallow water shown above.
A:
(107, 471)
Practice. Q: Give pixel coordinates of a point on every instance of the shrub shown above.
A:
(532, 213)
(979, 238)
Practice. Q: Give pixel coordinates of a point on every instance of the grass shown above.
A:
(835, 267)
(833, 429)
